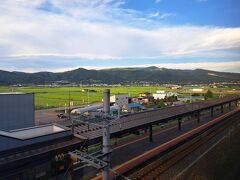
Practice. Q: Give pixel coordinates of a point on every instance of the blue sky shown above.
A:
(53, 35)
(194, 12)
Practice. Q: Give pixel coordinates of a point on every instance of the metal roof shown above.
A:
(12, 93)
(143, 119)
(134, 105)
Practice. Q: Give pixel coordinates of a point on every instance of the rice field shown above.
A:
(56, 97)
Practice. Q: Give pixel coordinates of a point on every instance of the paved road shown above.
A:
(46, 116)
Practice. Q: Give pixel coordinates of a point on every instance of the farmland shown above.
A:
(54, 97)
(50, 97)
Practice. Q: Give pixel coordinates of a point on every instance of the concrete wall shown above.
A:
(120, 100)
(16, 110)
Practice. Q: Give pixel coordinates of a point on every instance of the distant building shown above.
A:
(163, 94)
(176, 87)
(159, 95)
(168, 94)
(143, 100)
(88, 90)
(197, 90)
(16, 110)
(189, 98)
(134, 107)
(120, 100)
(145, 94)
(160, 91)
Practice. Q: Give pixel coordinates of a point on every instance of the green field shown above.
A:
(54, 97)
(50, 97)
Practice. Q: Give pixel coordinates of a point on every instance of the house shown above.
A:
(143, 100)
(145, 94)
(197, 90)
(168, 94)
(176, 87)
(134, 107)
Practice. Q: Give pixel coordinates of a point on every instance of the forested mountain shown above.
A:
(119, 75)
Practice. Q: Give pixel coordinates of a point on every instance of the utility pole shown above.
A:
(106, 134)
(102, 161)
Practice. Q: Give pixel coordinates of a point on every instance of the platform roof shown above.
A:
(33, 132)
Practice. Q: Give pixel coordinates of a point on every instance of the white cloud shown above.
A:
(156, 14)
(101, 29)
(201, 0)
(157, 1)
(231, 66)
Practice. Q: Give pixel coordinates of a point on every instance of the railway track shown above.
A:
(158, 167)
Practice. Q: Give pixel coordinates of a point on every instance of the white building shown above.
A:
(160, 92)
(190, 98)
(163, 94)
(197, 90)
(159, 95)
(120, 100)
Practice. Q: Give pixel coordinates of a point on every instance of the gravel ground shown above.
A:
(220, 163)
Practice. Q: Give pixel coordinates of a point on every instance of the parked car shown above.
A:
(61, 116)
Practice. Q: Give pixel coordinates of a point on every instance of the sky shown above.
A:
(54, 35)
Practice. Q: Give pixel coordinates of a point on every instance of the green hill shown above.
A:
(120, 75)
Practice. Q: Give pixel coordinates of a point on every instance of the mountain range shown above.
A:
(119, 75)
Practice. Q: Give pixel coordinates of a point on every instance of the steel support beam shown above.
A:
(221, 108)
(150, 133)
(211, 111)
(87, 158)
(198, 117)
(179, 124)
